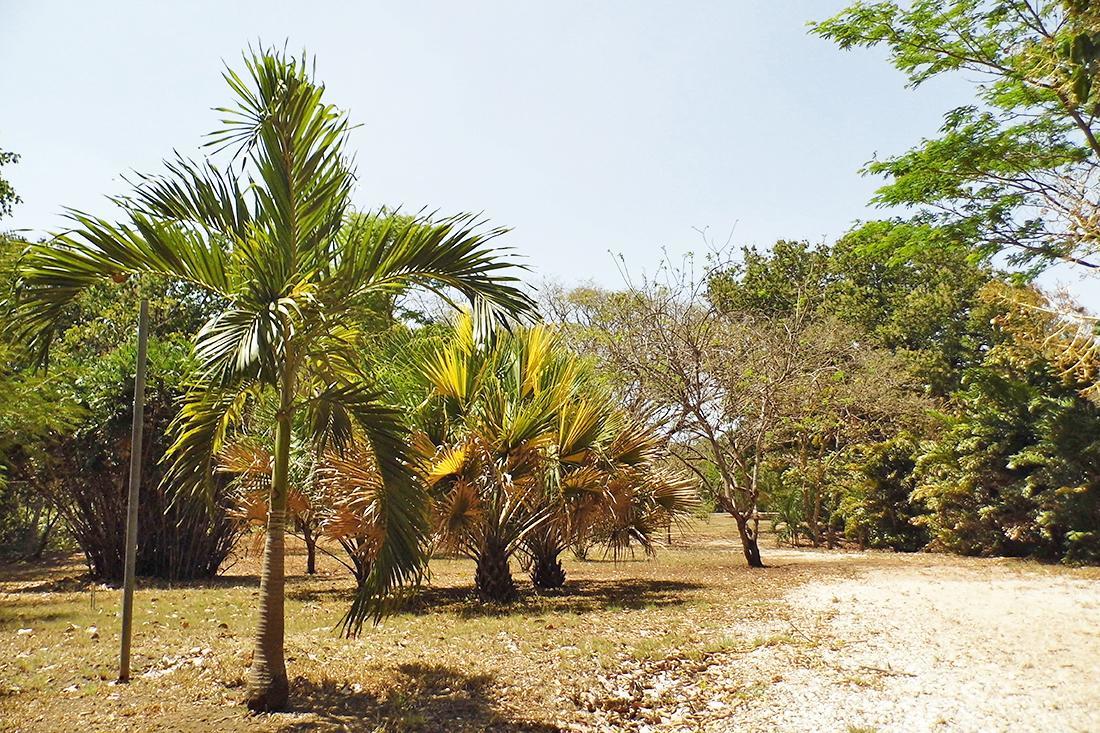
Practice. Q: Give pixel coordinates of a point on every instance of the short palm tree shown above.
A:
(270, 233)
(612, 486)
(488, 425)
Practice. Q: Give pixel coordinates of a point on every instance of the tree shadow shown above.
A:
(577, 596)
(308, 593)
(419, 697)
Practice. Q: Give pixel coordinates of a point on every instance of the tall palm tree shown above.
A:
(270, 233)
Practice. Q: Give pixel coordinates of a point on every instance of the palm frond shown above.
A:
(51, 274)
(200, 429)
(456, 253)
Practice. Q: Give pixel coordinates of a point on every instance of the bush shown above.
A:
(86, 473)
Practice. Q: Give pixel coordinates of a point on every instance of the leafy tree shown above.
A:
(788, 277)
(8, 197)
(266, 236)
(1017, 470)
(877, 508)
(917, 313)
(82, 468)
(850, 395)
(1017, 171)
(883, 279)
(33, 407)
(727, 385)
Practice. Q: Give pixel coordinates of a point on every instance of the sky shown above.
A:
(588, 128)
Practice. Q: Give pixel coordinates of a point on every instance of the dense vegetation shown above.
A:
(905, 387)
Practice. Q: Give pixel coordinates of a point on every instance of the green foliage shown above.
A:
(898, 285)
(876, 508)
(1011, 172)
(83, 470)
(1017, 471)
(8, 197)
(787, 277)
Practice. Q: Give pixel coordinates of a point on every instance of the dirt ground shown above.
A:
(818, 641)
(908, 643)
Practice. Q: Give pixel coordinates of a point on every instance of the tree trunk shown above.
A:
(268, 688)
(311, 550)
(494, 577)
(44, 539)
(749, 543)
(815, 518)
(547, 571)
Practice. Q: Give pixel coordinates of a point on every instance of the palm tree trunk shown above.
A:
(547, 571)
(268, 688)
(493, 576)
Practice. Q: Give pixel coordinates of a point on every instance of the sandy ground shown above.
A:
(691, 641)
(905, 643)
(967, 648)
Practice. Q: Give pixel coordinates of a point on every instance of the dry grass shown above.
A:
(444, 662)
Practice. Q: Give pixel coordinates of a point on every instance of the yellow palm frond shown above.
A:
(448, 463)
(579, 430)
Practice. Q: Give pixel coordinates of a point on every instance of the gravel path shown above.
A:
(954, 647)
(901, 643)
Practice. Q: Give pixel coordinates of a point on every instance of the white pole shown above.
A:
(132, 499)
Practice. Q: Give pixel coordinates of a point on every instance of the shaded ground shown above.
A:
(691, 641)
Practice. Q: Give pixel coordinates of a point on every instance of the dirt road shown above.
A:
(915, 643)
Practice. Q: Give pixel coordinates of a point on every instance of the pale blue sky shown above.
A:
(585, 126)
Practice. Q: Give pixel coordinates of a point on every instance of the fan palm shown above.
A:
(270, 234)
(488, 426)
(611, 487)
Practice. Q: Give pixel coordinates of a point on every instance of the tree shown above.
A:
(8, 197)
(493, 417)
(1018, 170)
(717, 381)
(81, 470)
(877, 505)
(1017, 469)
(611, 484)
(883, 279)
(266, 235)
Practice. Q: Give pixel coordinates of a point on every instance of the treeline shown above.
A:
(865, 398)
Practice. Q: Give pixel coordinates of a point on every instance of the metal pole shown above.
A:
(132, 499)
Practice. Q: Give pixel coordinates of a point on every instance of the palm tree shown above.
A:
(271, 235)
(612, 486)
(487, 427)
(522, 449)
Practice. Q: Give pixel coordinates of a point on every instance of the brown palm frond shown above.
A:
(459, 516)
(353, 487)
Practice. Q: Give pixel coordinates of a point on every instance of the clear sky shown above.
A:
(587, 127)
